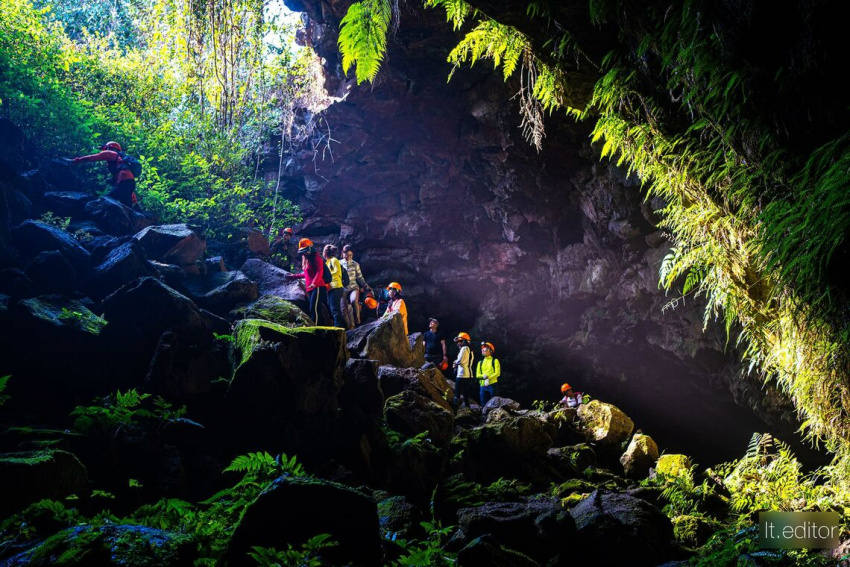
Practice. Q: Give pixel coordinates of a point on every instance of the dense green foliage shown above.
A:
(755, 217)
(199, 91)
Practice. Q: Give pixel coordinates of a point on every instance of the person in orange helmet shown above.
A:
(571, 399)
(123, 179)
(284, 250)
(312, 267)
(488, 371)
(396, 304)
(463, 370)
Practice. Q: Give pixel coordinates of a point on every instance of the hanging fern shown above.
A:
(3, 397)
(363, 37)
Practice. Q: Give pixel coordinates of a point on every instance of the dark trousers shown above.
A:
(123, 192)
(335, 305)
(315, 299)
(488, 392)
(463, 387)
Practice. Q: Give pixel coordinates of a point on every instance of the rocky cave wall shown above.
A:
(553, 256)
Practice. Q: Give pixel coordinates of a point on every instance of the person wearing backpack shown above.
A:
(123, 168)
(356, 285)
(313, 268)
(488, 372)
(335, 285)
(463, 370)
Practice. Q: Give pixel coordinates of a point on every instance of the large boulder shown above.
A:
(173, 244)
(283, 393)
(428, 382)
(51, 272)
(32, 237)
(497, 402)
(361, 395)
(176, 371)
(571, 461)
(605, 423)
(120, 266)
(271, 280)
(673, 466)
(31, 476)
(411, 414)
(221, 291)
(116, 218)
(67, 203)
(293, 509)
(111, 545)
(508, 447)
(619, 529)
(61, 174)
(384, 340)
(275, 309)
(640, 455)
(541, 529)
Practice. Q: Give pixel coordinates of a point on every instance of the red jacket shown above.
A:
(113, 160)
(313, 277)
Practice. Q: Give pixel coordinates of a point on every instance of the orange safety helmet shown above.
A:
(370, 301)
(489, 345)
(566, 387)
(287, 231)
(114, 146)
(304, 244)
(394, 285)
(462, 336)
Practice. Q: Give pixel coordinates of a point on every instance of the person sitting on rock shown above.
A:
(357, 285)
(335, 285)
(572, 398)
(125, 182)
(312, 266)
(396, 304)
(284, 250)
(463, 370)
(488, 372)
(435, 345)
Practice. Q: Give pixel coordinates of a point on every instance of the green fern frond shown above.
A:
(363, 37)
(252, 462)
(457, 11)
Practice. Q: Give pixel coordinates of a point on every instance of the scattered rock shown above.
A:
(34, 475)
(67, 203)
(673, 465)
(605, 423)
(506, 448)
(292, 510)
(122, 265)
(115, 218)
(639, 456)
(51, 272)
(429, 382)
(411, 414)
(618, 529)
(692, 531)
(271, 280)
(498, 402)
(173, 244)
(32, 237)
(398, 517)
(573, 459)
(221, 291)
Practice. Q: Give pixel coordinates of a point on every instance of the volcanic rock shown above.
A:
(605, 423)
(221, 291)
(173, 244)
(384, 340)
(52, 273)
(411, 414)
(639, 456)
(429, 382)
(32, 237)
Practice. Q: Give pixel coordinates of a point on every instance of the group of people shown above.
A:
(485, 375)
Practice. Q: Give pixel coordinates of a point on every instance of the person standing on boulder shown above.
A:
(284, 250)
(435, 345)
(335, 285)
(463, 370)
(488, 372)
(125, 182)
(356, 285)
(397, 304)
(312, 266)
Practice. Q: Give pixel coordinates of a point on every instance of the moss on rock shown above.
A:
(276, 310)
(673, 465)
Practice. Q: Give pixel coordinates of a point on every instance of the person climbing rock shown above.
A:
(356, 285)
(488, 372)
(335, 285)
(284, 250)
(435, 345)
(396, 304)
(463, 370)
(312, 266)
(572, 398)
(117, 165)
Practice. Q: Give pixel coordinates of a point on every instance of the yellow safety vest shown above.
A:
(495, 370)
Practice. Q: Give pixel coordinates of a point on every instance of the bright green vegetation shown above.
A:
(755, 218)
(200, 92)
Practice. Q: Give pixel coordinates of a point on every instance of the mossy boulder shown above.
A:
(59, 312)
(411, 414)
(384, 340)
(398, 517)
(673, 465)
(294, 509)
(513, 446)
(573, 459)
(428, 382)
(605, 423)
(30, 476)
(277, 310)
(692, 531)
(111, 545)
(640, 455)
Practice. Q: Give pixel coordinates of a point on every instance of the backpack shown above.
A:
(346, 279)
(131, 163)
(326, 273)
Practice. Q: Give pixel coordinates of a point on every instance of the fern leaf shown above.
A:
(363, 37)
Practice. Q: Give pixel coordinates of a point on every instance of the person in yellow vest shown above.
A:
(396, 304)
(335, 285)
(488, 372)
